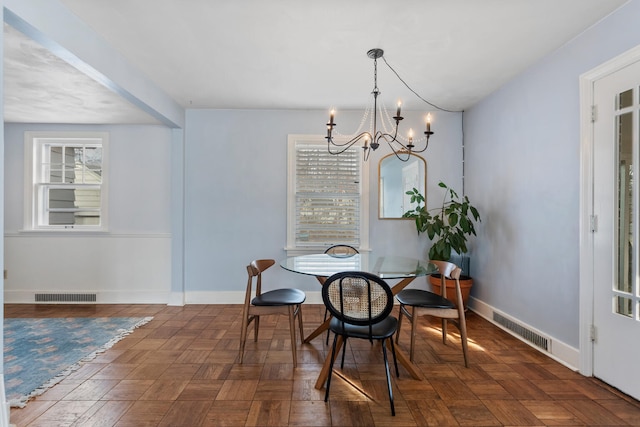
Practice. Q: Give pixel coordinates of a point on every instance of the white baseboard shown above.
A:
(102, 297)
(559, 351)
(171, 298)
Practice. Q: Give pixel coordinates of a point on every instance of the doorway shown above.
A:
(610, 213)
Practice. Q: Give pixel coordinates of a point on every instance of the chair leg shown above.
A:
(326, 311)
(344, 350)
(444, 331)
(333, 358)
(292, 331)
(256, 326)
(243, 335)
(414, 327)
(462, 325)
(395, 361)
(400, 315)
(386, 367)
(299, 314)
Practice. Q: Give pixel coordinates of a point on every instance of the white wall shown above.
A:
(130, 263)
(523, 170)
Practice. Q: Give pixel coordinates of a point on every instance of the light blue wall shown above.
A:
(236, 190)
(139, 176)
(522, 152)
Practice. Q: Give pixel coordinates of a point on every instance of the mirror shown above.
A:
(395, 178)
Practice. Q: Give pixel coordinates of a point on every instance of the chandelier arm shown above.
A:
(424, 149)
(346, 145)
(390, 139)
(404, 150)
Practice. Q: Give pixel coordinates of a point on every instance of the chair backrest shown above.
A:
(445, 268)
(341, 251)
(449, 270)
(357, 298)
(255, 269)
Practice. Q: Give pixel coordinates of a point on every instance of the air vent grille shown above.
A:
(65, 297)
(526, 333)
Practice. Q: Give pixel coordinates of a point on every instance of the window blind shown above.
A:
(328, 195)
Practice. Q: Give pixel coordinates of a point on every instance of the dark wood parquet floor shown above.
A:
(180, 370)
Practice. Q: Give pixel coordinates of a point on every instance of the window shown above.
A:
(65, 176)
(328, 200)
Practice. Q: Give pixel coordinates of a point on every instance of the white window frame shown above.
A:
(34, 200)
(292, 247)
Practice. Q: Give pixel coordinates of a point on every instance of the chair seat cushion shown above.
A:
(285, 296)
(420, 298)
(380, 330)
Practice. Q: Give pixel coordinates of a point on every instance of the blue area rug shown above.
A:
(39, 353)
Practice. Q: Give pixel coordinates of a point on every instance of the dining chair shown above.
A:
(416, 302)
(287, 301)
(361, 304)
(341, 250)
(338, 251)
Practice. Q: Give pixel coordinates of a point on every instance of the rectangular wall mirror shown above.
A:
(395, 178)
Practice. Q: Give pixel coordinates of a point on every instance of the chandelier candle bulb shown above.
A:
(398, 110)
(429, 122)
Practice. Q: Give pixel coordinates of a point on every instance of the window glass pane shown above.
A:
(93, 157)
(327, 196)
(69, 174)
(60, 198)
(74, 218)
(625, 99)
(87, 218)
(61, 218)
(55, 174)
(87, 198)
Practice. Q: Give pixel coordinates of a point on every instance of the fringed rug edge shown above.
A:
(21, 402)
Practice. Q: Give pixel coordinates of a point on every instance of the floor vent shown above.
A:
(524, 332)
(66, 297)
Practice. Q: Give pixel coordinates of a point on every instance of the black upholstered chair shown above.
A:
(287, 301)
(361, 304)
(341, 251)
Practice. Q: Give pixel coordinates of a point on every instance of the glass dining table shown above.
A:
(403, 269)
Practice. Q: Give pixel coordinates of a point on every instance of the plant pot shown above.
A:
(465, 287)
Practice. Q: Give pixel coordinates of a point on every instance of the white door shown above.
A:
(616, 318)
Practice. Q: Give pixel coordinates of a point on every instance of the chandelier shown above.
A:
(378, 115)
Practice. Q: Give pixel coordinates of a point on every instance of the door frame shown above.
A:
(586, 245)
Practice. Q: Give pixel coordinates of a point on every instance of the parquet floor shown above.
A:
(180, 370)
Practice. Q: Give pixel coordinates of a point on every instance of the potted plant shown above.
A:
(448, 227)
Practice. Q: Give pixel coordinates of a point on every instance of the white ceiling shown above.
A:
(294, 53)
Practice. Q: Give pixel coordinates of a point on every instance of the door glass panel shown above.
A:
(625, 203)
(624, 306)
(625, 99)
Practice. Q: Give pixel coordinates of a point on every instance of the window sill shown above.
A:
(62, 232)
